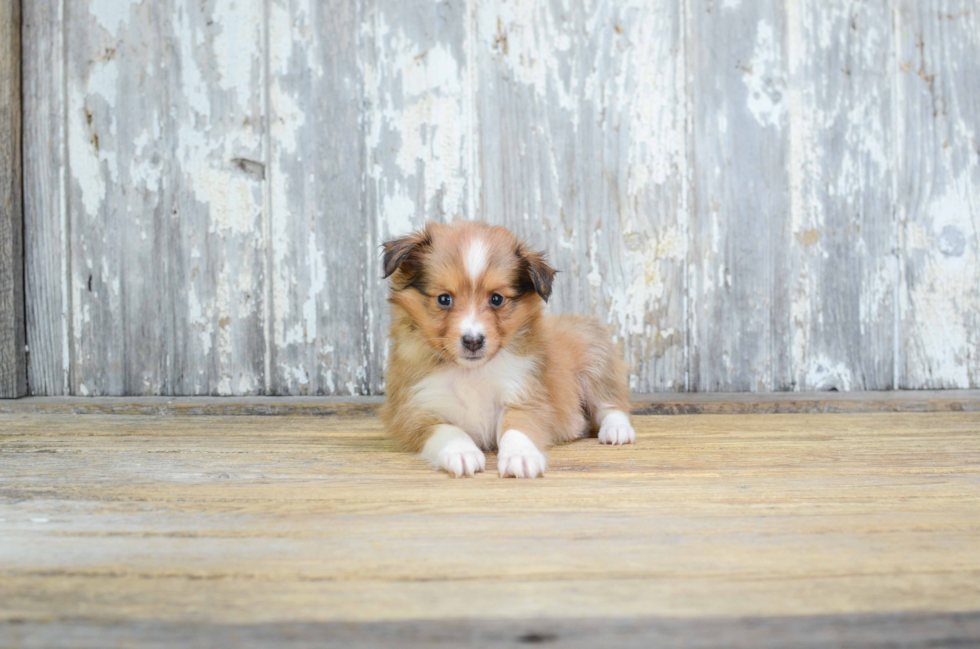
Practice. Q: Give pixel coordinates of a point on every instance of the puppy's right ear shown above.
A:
(404, 253)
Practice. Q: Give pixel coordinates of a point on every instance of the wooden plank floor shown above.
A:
(750, 530)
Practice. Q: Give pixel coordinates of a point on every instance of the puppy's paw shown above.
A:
(518, 457)
(462, 460)
(616, 429)
(449, 448)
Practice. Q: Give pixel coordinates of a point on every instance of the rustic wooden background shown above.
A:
(756, 195)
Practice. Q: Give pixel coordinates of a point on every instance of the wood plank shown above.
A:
(165, 140)
(583, 152)
(873, 631)
(46, 229)
(322, 256)
(841, 166)
(236, 521)
(655, 404)
(740, 236)
(418, 136)
(717, 180)
(13, 363)
(322, 406)
(938, 45)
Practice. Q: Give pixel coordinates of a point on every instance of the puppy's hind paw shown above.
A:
(518, 457)
(616, 429)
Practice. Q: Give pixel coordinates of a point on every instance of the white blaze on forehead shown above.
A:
(476, 259)
(470, 325)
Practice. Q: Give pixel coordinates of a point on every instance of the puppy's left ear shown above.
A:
(535, 272)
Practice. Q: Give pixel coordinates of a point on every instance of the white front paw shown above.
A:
(616, 429)
(462, 461)
(518, 457)
(453, 451)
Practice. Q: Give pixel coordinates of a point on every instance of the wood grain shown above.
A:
(938, 43)
(13, 363)
(753, 196)
(165, 142)
(740, 237)
(47, 235)
(583, 152)
(419, 137)
(650, 404)
(842, 313)
(322, 254)
(869, 631)
(902, 631)
(243, 521)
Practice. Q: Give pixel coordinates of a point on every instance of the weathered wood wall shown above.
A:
(13, 363)
(755, 195)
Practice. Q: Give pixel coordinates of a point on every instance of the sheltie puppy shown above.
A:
(477, 366)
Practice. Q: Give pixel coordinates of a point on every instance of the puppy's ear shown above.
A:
(404, 253)
(535, 273)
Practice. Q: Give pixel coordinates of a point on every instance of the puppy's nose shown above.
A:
(473, 342)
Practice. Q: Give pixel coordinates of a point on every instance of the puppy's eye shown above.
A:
(445, 300)
(496, 299)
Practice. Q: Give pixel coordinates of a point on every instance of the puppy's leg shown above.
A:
(449, 448)
(518, 453)
(605, 391)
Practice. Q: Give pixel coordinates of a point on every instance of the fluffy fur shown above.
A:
(476, 365)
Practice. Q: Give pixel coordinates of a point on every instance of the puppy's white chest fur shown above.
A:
(474, 398)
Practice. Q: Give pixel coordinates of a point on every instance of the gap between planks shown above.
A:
(658, 404)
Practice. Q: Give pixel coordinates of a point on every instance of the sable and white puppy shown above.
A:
(475, 364)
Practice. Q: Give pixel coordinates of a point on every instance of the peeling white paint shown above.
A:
(398, 214)
(945, 284)
(630, 305)
(528, 40)
(86, 149)
(111, 14)
(596, 125)
(824, 374)
(765, 80)
(648, 97)
(425, 129)
(232, 197)
(200, 320)
(234, 31)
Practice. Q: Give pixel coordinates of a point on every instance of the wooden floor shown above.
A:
(749, 530)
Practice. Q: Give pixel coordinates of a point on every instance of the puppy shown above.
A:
(475, 364)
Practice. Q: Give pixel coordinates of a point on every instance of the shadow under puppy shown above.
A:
(476, 365)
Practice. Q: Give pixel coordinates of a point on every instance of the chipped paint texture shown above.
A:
(842, 308)
(166, 242)
(754, 196)
(583, 152)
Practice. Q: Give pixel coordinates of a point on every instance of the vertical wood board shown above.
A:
(47, 239)
(583, 152)
(939, 192)
(418, 128)
(166, 180)
(320, 248)
(739, 232)
(13, 363)
(842, 257)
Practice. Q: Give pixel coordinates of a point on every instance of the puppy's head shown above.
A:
(466, 288)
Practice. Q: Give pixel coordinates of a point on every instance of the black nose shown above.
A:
(473, 343)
